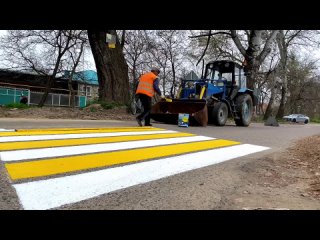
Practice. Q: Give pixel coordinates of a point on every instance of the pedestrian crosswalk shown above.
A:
(54, 167)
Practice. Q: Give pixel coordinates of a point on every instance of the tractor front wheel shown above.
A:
(220, 114)
(244, 107)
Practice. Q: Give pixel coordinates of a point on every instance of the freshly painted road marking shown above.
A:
(84, 141)
(86, 135)
(7, 130)
(150, 152)
(30, 154)
(77, 129)
(47, 167)
(28, 133)
(52, 193)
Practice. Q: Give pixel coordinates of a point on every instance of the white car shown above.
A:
(299, 118)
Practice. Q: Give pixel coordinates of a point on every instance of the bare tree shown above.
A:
(40, 51)
(168, 50)
(135, 48)
(75, 55)
(173, 47)
(285, 40)
(303, 85)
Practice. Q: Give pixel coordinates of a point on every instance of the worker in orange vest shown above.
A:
(148, 84)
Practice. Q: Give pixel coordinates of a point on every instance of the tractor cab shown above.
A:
(224, 77)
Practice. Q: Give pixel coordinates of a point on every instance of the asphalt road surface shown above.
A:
(203, 188)
(256, 133)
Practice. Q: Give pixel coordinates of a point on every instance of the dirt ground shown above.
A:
(283, 180)
(289, 179)
(92, 112)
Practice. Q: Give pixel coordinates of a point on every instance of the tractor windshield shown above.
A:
(219, 72)
(227, 76)
(216, 75)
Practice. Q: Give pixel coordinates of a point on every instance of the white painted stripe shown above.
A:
(76, 135)
(7, 130)
(51, 193)
(18, 155)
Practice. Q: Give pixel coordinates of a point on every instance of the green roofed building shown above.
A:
(88, 84)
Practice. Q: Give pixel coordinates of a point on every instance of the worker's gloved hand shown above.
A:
(163, 97)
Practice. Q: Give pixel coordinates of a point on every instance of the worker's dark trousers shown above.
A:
(146, 103)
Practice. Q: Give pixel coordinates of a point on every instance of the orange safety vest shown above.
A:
(146, 84)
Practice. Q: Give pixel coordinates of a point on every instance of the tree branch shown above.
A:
(237, 42)
(204, 52)
(210, 34)
(292, 37)
(266, 48)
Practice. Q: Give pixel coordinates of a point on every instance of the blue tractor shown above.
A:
(220, 93)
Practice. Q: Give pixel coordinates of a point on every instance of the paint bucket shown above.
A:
(183, 120)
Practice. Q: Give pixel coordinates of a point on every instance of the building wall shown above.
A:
(94, 94)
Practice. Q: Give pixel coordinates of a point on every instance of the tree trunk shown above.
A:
(251, 71)
(50, 82)
(261, 104)
(46, 91)
(72, 95)
(173, 80)
(112, 68)
(164, 82)
(283, 72)
(269, 109)
(280, 112)
(134, 73)
(134, 77)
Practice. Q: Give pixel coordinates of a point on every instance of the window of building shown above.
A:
(85, 90)
(88, 91)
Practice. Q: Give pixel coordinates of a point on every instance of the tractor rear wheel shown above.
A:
(244, 107)
(219, 114)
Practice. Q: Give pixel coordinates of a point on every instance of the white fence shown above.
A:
(57, 100)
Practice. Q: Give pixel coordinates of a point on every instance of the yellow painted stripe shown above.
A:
(76, 129)
(85, 141)
(47, 167)
(31, 133)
